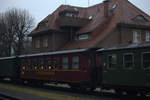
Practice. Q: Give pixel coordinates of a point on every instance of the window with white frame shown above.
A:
(75, 62)
(136, 37)
(65, 63)
(83, 37)
(128, 60)
(148, 36)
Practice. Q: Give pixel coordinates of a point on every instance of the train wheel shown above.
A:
(132, 93)
(74, 86)
(118, 92)
(143, 93)
(92, 88)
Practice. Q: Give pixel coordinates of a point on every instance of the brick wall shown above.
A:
(55, 41)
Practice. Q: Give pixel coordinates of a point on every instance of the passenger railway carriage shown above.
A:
(71, 66)
(9, 68)
(127, 68)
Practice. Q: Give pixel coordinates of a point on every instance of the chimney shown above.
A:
(106, 8)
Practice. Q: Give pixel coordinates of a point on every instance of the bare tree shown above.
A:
(4, 37)
(18, 23)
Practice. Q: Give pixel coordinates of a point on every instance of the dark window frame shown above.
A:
(56, 62)
(142, 65)
(41, 62)
(114, 64)
(133, 60)
(48, 62)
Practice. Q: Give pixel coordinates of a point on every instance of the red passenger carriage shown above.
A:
(70, 66)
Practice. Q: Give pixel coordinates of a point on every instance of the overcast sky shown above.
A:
(39, 9)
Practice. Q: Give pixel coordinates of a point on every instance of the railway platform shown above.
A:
(28, 93)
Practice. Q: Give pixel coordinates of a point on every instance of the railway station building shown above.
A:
(112, 22)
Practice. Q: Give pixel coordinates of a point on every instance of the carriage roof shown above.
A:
(130, 46)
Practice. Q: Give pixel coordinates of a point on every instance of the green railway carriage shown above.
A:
(9, 67)
(127, 68)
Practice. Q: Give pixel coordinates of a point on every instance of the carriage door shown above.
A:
(95, 69)
(91, 61)
(92, 67)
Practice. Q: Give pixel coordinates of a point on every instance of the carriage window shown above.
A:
(47, 62)
(75, 62)
(34, 62)
(31, 62)
(91, 61)
(28, 63)
(112, 61)
(65, 63)
(41, 62)
(56, 62)
(128, 60)
(146, 60)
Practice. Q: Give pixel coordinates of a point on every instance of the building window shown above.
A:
(65, 62)
(136, 37)
(128, 60)
(112, 61)
(37, 43)
(45, 42)
(140, 17)
(69, 14)
(83, 37)
(146, 60)
(147, 36)
(75, 62)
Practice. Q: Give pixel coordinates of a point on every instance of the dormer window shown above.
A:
(83, 37)
(70, 15)
(114, 6)
(70, 12)
(140, 18)
(90, 17)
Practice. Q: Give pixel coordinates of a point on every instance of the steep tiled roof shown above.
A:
(124, 13)
(120, 11)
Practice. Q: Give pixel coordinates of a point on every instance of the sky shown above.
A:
(39, 9)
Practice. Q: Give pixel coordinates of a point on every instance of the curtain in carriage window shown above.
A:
(75, 62)
(65, 63)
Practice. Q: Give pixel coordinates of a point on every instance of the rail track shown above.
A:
(103, 93)
(6, 97)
